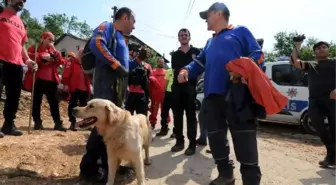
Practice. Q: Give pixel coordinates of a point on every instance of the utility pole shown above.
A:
(115, 9)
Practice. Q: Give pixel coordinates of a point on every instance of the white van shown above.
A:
(291, 82)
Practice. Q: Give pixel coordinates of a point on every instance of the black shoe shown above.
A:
(163, 132)
(2, 135)
(177, 147)
(11, 131)
(191, 150)
(201, 142)
(328, 161)
(172, 135)
(223, 181)
(72, 127)
(38, 125)
(59, 126)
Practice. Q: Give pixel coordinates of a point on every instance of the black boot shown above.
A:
(179, 146)
(201, 142)
(328, 161)
(163, 132)
(191, 150)
(223, 181)
(2, 135)
(72, 126)
(59, 126)
(38, 125)
(9, 128)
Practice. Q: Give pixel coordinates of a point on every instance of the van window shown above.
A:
(287, 75)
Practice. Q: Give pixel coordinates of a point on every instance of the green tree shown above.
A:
(59, 24)
(34, 28)
(284, 44)
(270, 56)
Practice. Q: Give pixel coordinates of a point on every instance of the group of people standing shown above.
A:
(123, 76)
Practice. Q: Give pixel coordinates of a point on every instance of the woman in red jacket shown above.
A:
(47, 79)
(77, 83)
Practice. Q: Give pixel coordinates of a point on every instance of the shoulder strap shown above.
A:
(112, 43)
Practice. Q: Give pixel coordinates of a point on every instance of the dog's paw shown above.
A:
(147, 162)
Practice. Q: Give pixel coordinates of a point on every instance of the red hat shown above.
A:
(46, 35)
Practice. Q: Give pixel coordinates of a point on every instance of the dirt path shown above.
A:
(55, 156)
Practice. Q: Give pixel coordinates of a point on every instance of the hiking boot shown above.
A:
(163, 132)
(179, 146)
(72, 126)
(191, 150)
(2, 135)
(10, 129)
(59, 126)
(328, 161)
(172, 135)
(38, 125)
(201, 142)
(223, 181)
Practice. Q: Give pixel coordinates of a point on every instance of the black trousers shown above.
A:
(319, 108)
(166, 106)
(244, 136)
(184, 97)
(48, 88)
(136, 102)
(12, 80)
(75, 97)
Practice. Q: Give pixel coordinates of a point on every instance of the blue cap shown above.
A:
(215, 7)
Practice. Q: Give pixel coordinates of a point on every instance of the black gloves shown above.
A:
(121, 71)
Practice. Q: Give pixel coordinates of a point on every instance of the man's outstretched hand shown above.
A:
(183, 76)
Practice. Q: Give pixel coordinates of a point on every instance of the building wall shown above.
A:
(70, 44)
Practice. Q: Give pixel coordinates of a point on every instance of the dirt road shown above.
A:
(51, 158)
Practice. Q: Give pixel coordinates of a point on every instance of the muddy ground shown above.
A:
(52, 158)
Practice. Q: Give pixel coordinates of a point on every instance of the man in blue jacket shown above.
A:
(229, 43)
(110, 66)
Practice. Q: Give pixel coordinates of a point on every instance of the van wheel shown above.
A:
(198, 105)
(307, 125)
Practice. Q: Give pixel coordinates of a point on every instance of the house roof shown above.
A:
(69, 35)
(132, 37)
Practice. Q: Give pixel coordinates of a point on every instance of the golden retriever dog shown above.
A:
(124, 135)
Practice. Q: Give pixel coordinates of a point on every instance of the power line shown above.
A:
(187, 12)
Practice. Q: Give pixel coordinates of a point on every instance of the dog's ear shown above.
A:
(112, 113)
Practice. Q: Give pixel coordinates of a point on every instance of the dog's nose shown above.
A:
(74, 111)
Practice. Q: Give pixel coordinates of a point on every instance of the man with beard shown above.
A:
(322, 95)
(157, 94)
(110, 68)
(184, 95)
(13, 55)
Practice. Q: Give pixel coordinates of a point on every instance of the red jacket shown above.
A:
(260, 86)
(40, 73)
(157, 88)
(73, 74)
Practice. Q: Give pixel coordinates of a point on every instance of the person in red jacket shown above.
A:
(157, 94)
(47, 79)
(77, 83)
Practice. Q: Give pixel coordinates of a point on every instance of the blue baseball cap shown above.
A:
(215, 7)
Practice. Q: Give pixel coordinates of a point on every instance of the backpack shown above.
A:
(89, 59)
